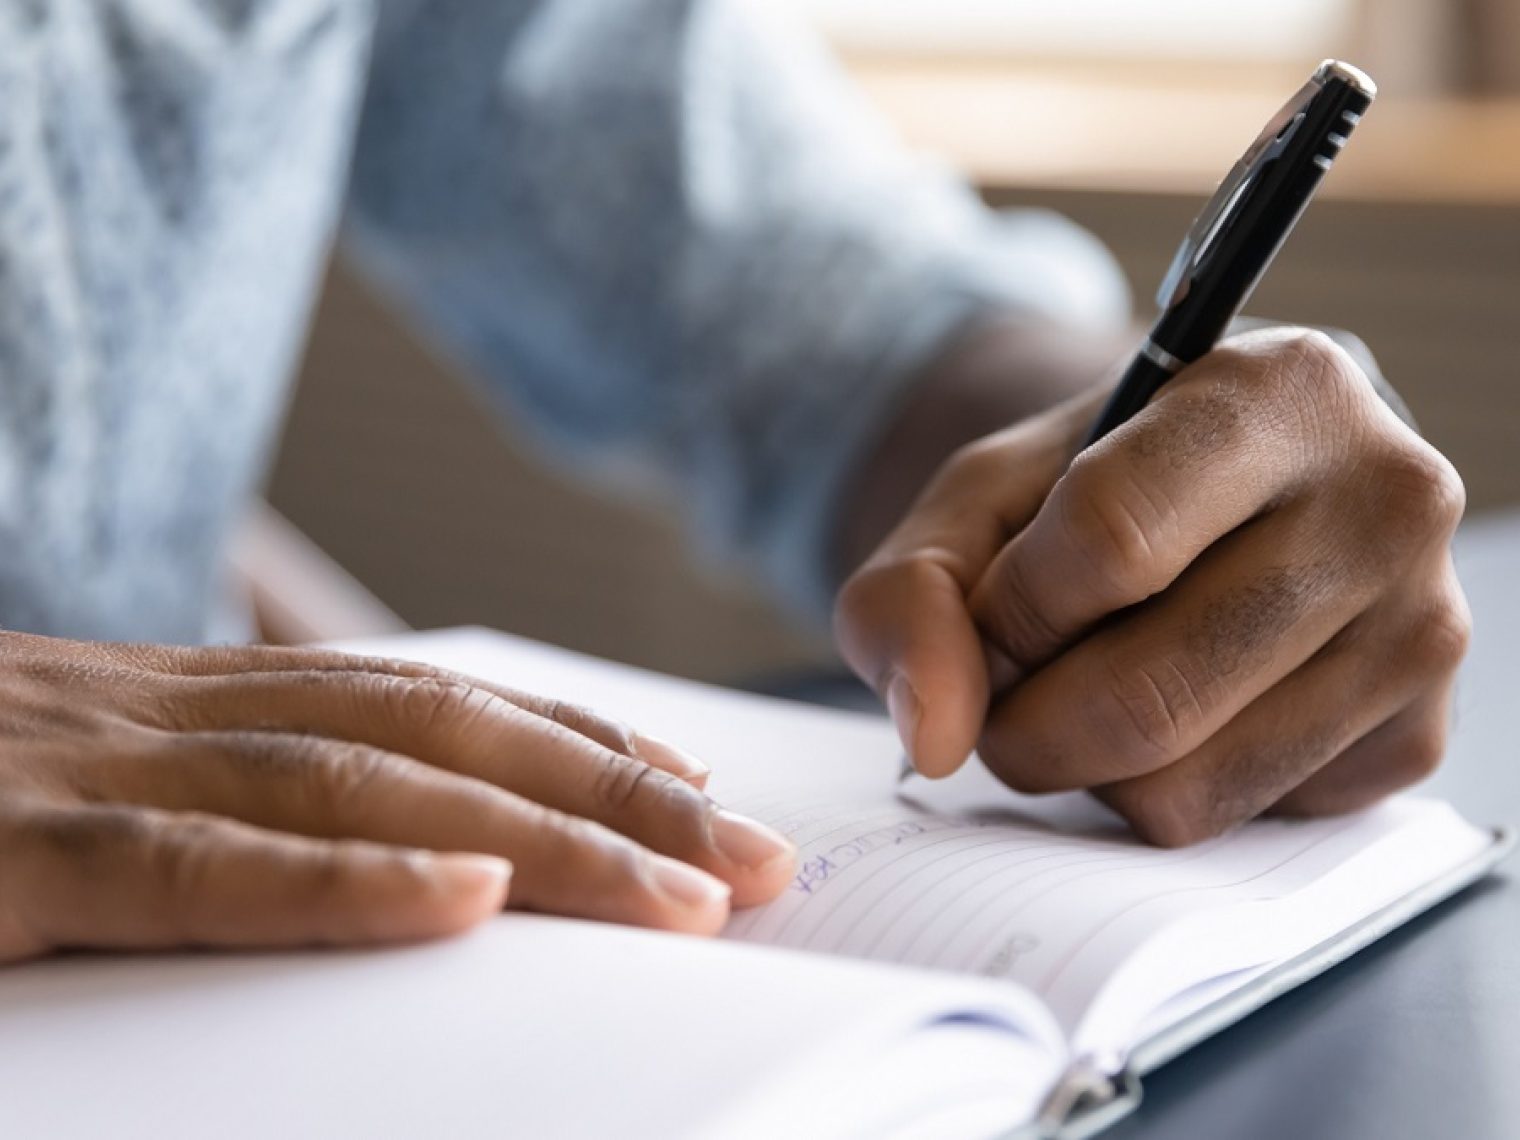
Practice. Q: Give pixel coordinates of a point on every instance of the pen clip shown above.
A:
(1218, 210)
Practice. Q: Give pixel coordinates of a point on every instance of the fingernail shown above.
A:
(902, 704)
(748, 842)
(667, 757)
(687, 885)
(485, 873)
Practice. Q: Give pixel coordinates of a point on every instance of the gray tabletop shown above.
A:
(1419, 1035)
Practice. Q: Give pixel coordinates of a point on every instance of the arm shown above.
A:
(668, 234)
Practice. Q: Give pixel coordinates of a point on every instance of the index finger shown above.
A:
(595, 726)
(1229, 436)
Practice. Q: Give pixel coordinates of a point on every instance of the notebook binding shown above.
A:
(1088, 1098)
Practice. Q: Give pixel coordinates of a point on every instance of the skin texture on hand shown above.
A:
(1242, 600)
(155, 797)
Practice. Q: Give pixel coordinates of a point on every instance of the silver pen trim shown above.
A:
(1161, 357)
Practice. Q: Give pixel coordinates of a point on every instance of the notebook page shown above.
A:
(1055, 905)
(1248, 932)
(527, 1027)
(961, 875)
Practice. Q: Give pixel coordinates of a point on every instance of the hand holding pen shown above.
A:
(1239, 598)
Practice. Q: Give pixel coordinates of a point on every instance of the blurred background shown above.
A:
(393, 468)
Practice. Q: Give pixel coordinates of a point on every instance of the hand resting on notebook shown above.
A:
(154, 797)
(1243, 600)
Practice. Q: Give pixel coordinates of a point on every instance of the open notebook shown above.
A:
(950, 960)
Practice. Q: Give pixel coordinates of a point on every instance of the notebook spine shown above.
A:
(1090, 1096)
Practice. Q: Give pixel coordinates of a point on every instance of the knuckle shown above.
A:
(1310, 362)
(1423, 497)
(323, 871)
(1323, 387)
(1327, 362)
(589, 723)
(1418, 754)
(1161, 813)
(1146, 711)
(621, 782)
(345, 662)
(1441, 639)
(435, 704)
(1355, 347)
(341, 780)
(260, 755)
(583, 852)
(566, 839)
(179, 859)
(1163, 826)
(999, 466)
(681, 809)
(1021, 628)
(972, 465)
(627, 786)
(192, 660)
(1110, 529)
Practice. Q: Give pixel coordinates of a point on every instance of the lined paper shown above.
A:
(1057, 909)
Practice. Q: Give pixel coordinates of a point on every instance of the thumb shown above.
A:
(904, 627)
(903, 621)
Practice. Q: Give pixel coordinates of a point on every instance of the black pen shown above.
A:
(1240, 230)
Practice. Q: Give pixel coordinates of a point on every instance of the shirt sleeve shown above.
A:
(671, 238)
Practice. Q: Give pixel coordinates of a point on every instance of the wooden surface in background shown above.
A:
(1118, 129)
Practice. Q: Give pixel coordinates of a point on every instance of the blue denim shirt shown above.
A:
(664, 234)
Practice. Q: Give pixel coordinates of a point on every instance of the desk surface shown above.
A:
(1420, 1035)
